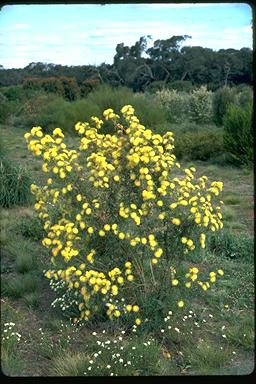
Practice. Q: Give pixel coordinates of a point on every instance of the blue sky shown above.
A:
(88, 33)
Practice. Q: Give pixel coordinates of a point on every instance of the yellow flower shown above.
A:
(220, 272)
(90, 230)
(128, 264)
(176, 221)
(128, 308)
(135, 308)
(138, 321)
(130, 277)
(180, 304)
(175, 282)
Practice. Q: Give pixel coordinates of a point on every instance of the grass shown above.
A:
(50, 345)
(19, 285)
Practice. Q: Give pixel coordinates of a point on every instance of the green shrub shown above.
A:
(175, 103)
(30, 227)
(14, 184)
(71, 90)
(181, 85)
(238, 133)
(155, 86)
(19, 285)
(200, 105)
(202, 144)
(88, 86)
(7, 109)
(244, 96)
(222, 99)
(232, 246)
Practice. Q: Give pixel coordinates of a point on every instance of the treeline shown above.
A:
(164, 65)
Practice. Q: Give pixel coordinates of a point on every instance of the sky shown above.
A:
(82, 34)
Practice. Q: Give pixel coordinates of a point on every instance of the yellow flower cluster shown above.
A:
(120, 186)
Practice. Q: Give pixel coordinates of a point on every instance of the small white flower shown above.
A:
(121, 360)
(128, 362)
(234, 353)
(133, 347)
(177, 330)
(103, 331)
(89, 368)
(162, 330)
(210, 315)
(108, 366)
(94, 333)
(224, 336)
(223, 327)
(123, 332)
(169, 326)
(170, 313)
(91, 361)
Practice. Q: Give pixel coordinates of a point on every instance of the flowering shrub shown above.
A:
(119, 218)
(176, 103)
(200, 105)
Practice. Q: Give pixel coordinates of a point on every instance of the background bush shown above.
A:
(202, 144)
(51, 111)
(175, 103)
(200, 105)
(222, 99)
(238, 133)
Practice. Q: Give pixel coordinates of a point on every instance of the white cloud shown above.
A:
(20, 26)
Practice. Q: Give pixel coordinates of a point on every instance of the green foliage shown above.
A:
(14, 184)
(222, 99)
(20, 285)
(155, 86)
(88, 86)
(226, 244)
(200, 105)
(62, 86)
(25, 262)
(52, 111)
(30, 226)
(244, 95)
(175, 103)
(119, 356)
(181, 85)
(202, 144)
(207, 358)
(238, 133)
